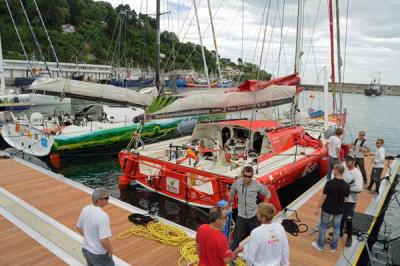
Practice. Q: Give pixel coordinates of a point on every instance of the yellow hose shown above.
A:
(172, 236)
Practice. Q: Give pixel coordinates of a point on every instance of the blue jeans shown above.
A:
(97, 259)
(325, 217)
(243, 228)
(331, 163)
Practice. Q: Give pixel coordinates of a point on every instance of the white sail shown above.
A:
(87, 90)
(223, 102)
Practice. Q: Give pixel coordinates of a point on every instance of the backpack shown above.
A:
(361, 144)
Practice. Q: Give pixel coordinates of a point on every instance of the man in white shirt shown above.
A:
(334, 145)
(268, 244)
(94, 225)
(352, 175)
(360, 146)
(378, 165)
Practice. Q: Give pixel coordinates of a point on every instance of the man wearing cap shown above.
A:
(360, 146)
(352, 175)
(94, 225)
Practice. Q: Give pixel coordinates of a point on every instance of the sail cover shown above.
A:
(90, 91)
(219, 101)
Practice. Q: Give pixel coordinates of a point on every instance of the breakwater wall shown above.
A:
(393, 90)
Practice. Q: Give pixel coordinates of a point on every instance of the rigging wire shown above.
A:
(345, 49)
(117, 41)
(35, 38)
(20, 41)
(178, 37)
(203, 33)
(242, 49)
(311, 38)
(263, 42)
(271, 37)
(281, 39)
(181, 44)
(80, 49)
(47, 36)
(259, 32)
(112, 38)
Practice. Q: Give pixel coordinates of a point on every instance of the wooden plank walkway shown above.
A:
(63, 202)
(301, 251)
(17, 248)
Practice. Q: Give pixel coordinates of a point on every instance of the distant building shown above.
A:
(231, 71)
(68, 28)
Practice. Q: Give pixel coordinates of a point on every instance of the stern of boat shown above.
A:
(24, 137)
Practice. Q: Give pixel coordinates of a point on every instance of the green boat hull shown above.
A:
(151, 132)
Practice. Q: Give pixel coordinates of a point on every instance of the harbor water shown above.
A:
(378, 116)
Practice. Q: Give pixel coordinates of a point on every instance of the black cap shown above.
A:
(349, 157)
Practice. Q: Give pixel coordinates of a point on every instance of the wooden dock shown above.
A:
(39, 210)
(300, 249)
(38, 213)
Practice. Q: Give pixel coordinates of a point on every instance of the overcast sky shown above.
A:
(373, 42)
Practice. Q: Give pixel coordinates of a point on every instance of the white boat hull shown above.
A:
(25, 138)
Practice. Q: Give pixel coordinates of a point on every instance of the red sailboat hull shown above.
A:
(202, 188)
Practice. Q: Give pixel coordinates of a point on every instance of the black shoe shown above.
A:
(349, 241)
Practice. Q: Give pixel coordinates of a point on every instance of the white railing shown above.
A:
(19, 68)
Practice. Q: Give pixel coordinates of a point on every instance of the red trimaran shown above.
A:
(200, 169)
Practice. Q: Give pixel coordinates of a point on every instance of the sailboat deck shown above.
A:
(300, 249)
(62, 200)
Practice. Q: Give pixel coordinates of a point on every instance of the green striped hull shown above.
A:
(151, 132)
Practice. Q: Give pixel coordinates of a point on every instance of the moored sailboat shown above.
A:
(200, 170)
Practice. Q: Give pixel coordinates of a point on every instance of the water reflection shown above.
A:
(165, 207)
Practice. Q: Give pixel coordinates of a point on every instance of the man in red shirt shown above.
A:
(212, 245)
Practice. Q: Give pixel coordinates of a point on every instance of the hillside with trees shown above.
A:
(102, 34)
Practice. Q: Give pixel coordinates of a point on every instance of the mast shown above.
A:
(332, 56)
(339, 58)
(299, 37)
(158, 47)
(299, 52)
(326, 91)
(201, 44)
(215, 41)
(2, 82)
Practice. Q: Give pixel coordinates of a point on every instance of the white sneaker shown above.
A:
(333, 250)
(315, 245)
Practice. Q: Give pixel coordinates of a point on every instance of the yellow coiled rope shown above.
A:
(172, 236)
(168, 235)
